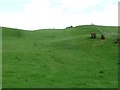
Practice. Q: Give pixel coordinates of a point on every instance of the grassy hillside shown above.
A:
(60, 58)
(0, 58)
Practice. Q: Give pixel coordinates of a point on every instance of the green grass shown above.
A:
(0, 58)
(66, 58)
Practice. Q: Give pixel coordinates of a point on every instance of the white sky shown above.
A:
(41, 14)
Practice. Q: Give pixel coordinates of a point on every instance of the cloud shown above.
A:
(39, 14)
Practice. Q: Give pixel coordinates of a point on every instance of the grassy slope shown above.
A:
(0, 58)
(59, 58)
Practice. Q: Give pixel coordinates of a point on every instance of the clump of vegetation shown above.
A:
(117, 40)
(69, 27)
(93, 35)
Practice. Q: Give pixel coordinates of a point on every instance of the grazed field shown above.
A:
(66, 58)
(0, 57)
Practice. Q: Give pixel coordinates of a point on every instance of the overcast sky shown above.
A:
(40, 14)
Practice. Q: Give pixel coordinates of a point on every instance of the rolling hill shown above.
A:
(66, 58)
